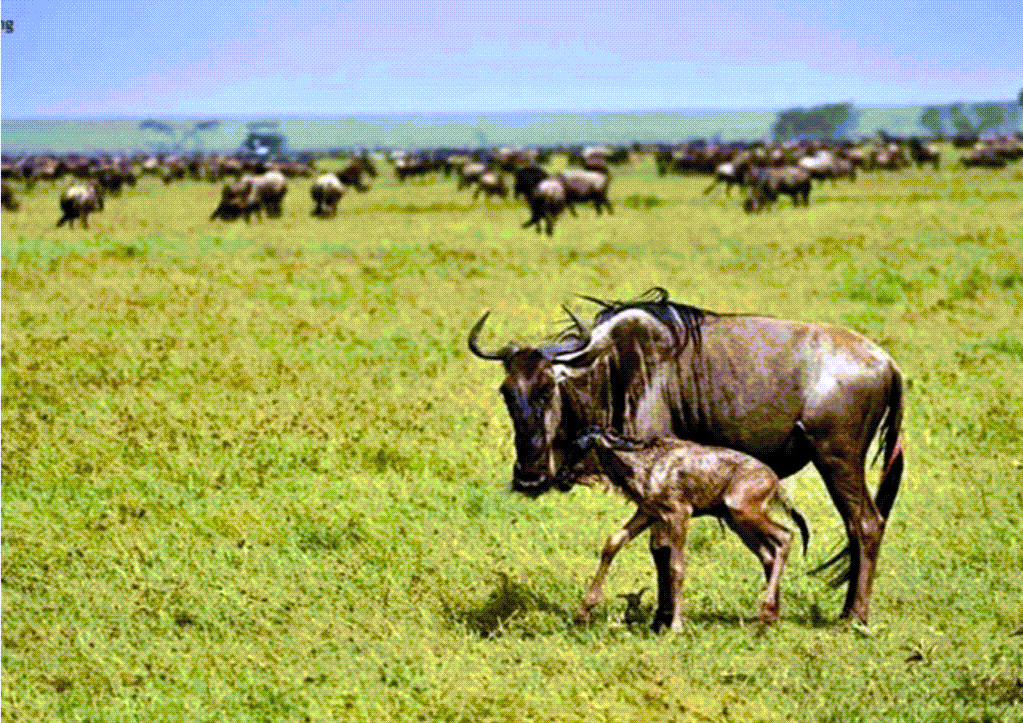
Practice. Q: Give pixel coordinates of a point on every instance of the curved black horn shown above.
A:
(577, 320)
(575, 342)
(499, 355)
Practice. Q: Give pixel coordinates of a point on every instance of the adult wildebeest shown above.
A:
(825, 164)
(236, 199)
(469, 174)
(492, 184)
(546, 202)
(769, 182)
(326, 191)
(785, 392)
(586, 186)
(352, 174)
(7, 199)
(732, 174)
(78, 201)
(252, 194)
(922, 154)
(671, 481)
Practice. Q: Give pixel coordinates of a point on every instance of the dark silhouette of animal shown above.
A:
(788, 393)
(731, 174)
(326, 191)
(252, 194)
(671, 481)
(8, 199)
(547, 201)
(586, 187)
(491, 184)
(469, 174)
(769, 183)
(78, 201)
(236, 199)
(526, 179)
(352, 174)
(983, 159)
(921, 154)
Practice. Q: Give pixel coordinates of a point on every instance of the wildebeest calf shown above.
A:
(672, 480)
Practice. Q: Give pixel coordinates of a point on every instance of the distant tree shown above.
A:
(176, 139)
(990, 116)
(930, 118)
(833, 120)
(963, 124)
(1019, 98)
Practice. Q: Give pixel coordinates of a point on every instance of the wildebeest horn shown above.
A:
(499, 355)
(574, 343)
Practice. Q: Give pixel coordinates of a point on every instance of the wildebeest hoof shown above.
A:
(581, 617)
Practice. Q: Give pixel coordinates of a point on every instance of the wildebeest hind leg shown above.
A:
(864, 526)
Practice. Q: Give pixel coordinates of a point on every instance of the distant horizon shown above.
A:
(234, 115)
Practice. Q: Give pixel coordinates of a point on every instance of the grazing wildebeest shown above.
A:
(269, 189)
(526, 179)
(586, 186)
(78, 201)
(252, 194)
(983, 159)
(326, 191)
(236, 199)
(469, 174)
(769, 182)
(671, 481)
(732, 174)
(786, 392)
(546, 201)
(922, 154)
(7, 199)
(825, 164)
(352, 174)
(491, 184)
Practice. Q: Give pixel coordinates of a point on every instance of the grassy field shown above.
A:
(252, 473)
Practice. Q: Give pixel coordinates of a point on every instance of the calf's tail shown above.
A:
(798, 518)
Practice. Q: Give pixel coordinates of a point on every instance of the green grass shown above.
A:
(252, 472)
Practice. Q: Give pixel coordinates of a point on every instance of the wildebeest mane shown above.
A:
(683, 320)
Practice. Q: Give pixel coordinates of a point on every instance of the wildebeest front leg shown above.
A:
(614, 544)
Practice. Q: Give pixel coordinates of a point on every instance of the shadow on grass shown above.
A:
(501, 612)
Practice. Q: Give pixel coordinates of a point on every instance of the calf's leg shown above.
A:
(748, 516)
(636, 524)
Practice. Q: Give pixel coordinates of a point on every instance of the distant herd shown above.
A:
(258, 186)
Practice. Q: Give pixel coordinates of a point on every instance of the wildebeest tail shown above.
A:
(894, 457)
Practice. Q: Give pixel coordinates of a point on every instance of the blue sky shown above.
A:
(121, 58)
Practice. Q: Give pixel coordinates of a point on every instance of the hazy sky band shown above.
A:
(130, 59)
